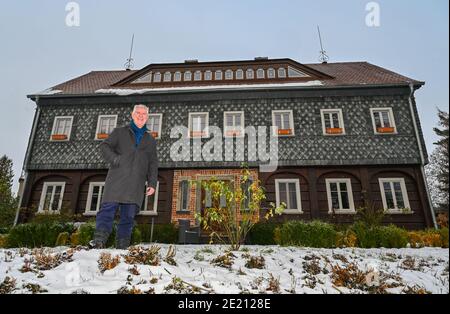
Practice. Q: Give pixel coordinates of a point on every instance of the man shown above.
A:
(131, 153)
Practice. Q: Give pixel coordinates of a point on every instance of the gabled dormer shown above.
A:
(246, 72)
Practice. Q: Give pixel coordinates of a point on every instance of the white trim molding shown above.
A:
(239, 131)
(98, 125)
(160, 115)
(205, 132)
(396, 209)
(54, 129)
(391, 120)
(53, 185)
(291, 123)
(154, 211)
(297, 195)
(341, 126)
(87, 211)
(340, 210)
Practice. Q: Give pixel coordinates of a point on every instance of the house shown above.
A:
(347, 133)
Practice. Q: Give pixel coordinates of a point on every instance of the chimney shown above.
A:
(261, 58)
(191, 61)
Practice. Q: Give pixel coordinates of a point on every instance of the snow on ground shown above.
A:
(285, 270)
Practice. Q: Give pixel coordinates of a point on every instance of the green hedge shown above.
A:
(262, 233)
(162, 233)
(37, 234)
(317, 234)
(380, 236)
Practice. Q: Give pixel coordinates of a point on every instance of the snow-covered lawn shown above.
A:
(192, 270)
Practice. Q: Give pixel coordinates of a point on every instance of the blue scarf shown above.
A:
(138, 132)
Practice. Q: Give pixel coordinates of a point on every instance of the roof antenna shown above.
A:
(130, 61)
(323, 57)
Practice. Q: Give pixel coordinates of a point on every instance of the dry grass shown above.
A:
(8, 285)
(255, 262)
(225, 260)
(140, 255)
(170, 256)
(107, 262)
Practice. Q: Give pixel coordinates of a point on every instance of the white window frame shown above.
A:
(218, 73)
(269, 70)
(46, 185)
(157, 77)
(187, 76)
(297, 192)
(228, 72)
(404, 194)
(391, 120)
(252, 74)
(98, 124)
(168, 75)
(282, 70)
(198, 75)
(340, 118)
(291, 121)
(226, 128)
(258, 71)
(160, 115)
(348, 181)
(180, 196)
(208, 75)
(153, 212)
(206, 124)
(177, 76)
(239, 74)
(54, 128)
(88, 212)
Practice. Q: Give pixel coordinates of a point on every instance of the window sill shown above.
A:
(147, 214)
(46, 212)
(398, 212)
(343, 212)
(292, 212)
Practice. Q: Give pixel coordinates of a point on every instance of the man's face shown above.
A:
(140, 117)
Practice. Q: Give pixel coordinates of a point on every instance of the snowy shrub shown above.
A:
(141, 255)
(309, 234)
(107, 262)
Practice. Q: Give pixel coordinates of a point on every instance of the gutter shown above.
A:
(422, 158)
(27, 157)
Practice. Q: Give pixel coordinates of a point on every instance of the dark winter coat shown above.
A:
(130, 166)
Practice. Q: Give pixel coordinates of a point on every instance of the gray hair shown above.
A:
(140, 106)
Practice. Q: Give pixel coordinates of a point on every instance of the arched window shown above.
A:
(157, 77)
(167, 77)
(218, 75)
(282, 72)
(208, 75)
(197, 75)
(250, 74)
(260, 73)
(271, 73)
(228, 74)
(239, 74)
(177, 76)
(187, 76)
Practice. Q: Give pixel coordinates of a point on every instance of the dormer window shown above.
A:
(167, 77)
(208, 75)
(218, 75)
(187, 76)
(228, 74)
(250, 74)
(295, 73)
(260, 74)
(147, 78)
(239, 74)
(197, 76)
(157, 77)
(177, 76)
(271, 73)
(281, 72)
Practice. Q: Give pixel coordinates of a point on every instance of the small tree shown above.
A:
(8, 202)
(233, 212)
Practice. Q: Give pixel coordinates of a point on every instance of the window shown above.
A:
(157, 77)
(105, 125)
(239, 74)
(208, 75)
(247, 194)
(281, 72)
(154, 123)
(184, 195)
(250, 74)
(198, 124)
(94, 199)
(284, 121)
(295, 73)
(340, 196)
(62, 127)
(147, 78)
(218, 75)
(177, 76)
(233, 122)
(150, 204)
(228, 74)
(271, 73)
(288, 191)
(260, 74)
(332, 122)
(394, 195)
(51, 197)
(167, 77)
(187, 76)
(197, 76)
(383, 120)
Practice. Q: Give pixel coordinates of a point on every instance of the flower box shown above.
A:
(102, 136)
(154, 134)
(334, 130)
(59, 137)
(386, 130)
(284, 131)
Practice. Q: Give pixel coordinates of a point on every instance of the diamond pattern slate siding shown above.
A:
(309, 147)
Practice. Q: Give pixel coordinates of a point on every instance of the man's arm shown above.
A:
(152, 175)
(108, 147)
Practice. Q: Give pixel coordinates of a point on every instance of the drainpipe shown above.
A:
(24, 176)
(422, 158)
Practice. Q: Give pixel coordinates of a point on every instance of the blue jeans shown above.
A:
(105, 218)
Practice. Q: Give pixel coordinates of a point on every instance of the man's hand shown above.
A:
(150, 191)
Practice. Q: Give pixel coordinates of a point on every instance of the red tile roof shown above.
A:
(342, 73)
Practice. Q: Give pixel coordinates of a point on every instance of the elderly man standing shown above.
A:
(131, 153)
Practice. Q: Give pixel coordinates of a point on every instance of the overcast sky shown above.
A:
(38, 50)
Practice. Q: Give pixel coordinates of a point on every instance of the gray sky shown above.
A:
(38, 50)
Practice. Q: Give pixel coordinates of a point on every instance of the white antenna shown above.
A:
(323, 57)
(130, 61)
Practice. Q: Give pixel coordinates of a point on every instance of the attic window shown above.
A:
(147, 78)
(167, 77)
(197, 75)
(218, 75)
(157, 77)
(281, 72)
(239, 74)
(229, 75)
(187, 76)
(208, 75)
(295, 73)
(250, 74)
(270, 73)
(177, 76)
(260, 74)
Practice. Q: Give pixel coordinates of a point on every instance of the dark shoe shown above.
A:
(123, 244)
(99, 241)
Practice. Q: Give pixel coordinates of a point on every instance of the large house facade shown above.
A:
(348, 134)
